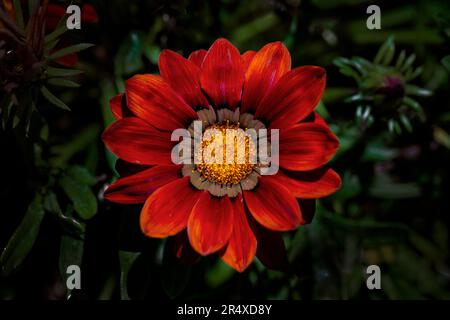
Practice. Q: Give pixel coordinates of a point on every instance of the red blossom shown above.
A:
(239, 222)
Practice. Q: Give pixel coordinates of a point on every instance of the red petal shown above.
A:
(153, 100)
(273, 206)
(247, 57)
(167, 210)
(306, 146)
(210, 224)
(138, 187)
(222, 74)
(241, 248)
(293, 97)
(88, 13)
(197, 57)
(269, 64)
(116, 106)
(183, 249)
(271, 250)
(119, 107)
(313, 184)
(184, 76)
(133, 140)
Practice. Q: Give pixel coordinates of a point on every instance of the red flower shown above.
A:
(228, 208)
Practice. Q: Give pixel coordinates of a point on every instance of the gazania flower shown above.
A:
(229, 209)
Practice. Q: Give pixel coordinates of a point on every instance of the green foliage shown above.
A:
(23, 239)
(84, 201)
(174, 274)
(384, 91)
(388, 104)
(126, 261)
(71, 250)
(33, 54)
(68, 223)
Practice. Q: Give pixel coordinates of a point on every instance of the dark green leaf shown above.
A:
(62, 83)
(69, 50)
(378, 152)
(7, 109)
(84, 201)
(219, 274)
(63, 153)
(351, 187)
(61, 72)
(70, 253)
(386, 52)
(341, 62)
(441, 137)
(129, 57)
(255, 27)
(55, 34)
(53, 99)
(126, 260)
(82, 175)
(19, 14)
(50, 46)
(406, 123)
(413, 104)
(356, 97)
(417, 91)
(426, 247)
(108, 92)
(400, 59)
(22, 241)
(174, 274)
(385, 188)
(446, 62)
(408, 63)
(412, 74)
(440, 235)
(350, 72)
(68, 223)
(44, 132)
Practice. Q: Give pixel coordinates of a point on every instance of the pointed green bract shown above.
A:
(53, 99)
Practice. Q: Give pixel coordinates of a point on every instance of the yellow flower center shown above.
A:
(226, 155)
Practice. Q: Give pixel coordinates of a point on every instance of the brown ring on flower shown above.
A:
(228, 177)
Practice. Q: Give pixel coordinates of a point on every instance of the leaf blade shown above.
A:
(23, 239)
(53, 99)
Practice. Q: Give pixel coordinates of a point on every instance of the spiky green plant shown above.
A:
(384, 89)
(28, 58)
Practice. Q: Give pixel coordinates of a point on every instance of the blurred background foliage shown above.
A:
(387, 98)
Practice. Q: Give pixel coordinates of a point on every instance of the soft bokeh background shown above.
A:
(392, 120)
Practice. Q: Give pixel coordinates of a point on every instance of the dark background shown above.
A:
(391, 211)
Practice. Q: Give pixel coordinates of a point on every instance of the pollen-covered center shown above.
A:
(226, 154)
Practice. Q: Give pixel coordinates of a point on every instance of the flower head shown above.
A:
(232, 207)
